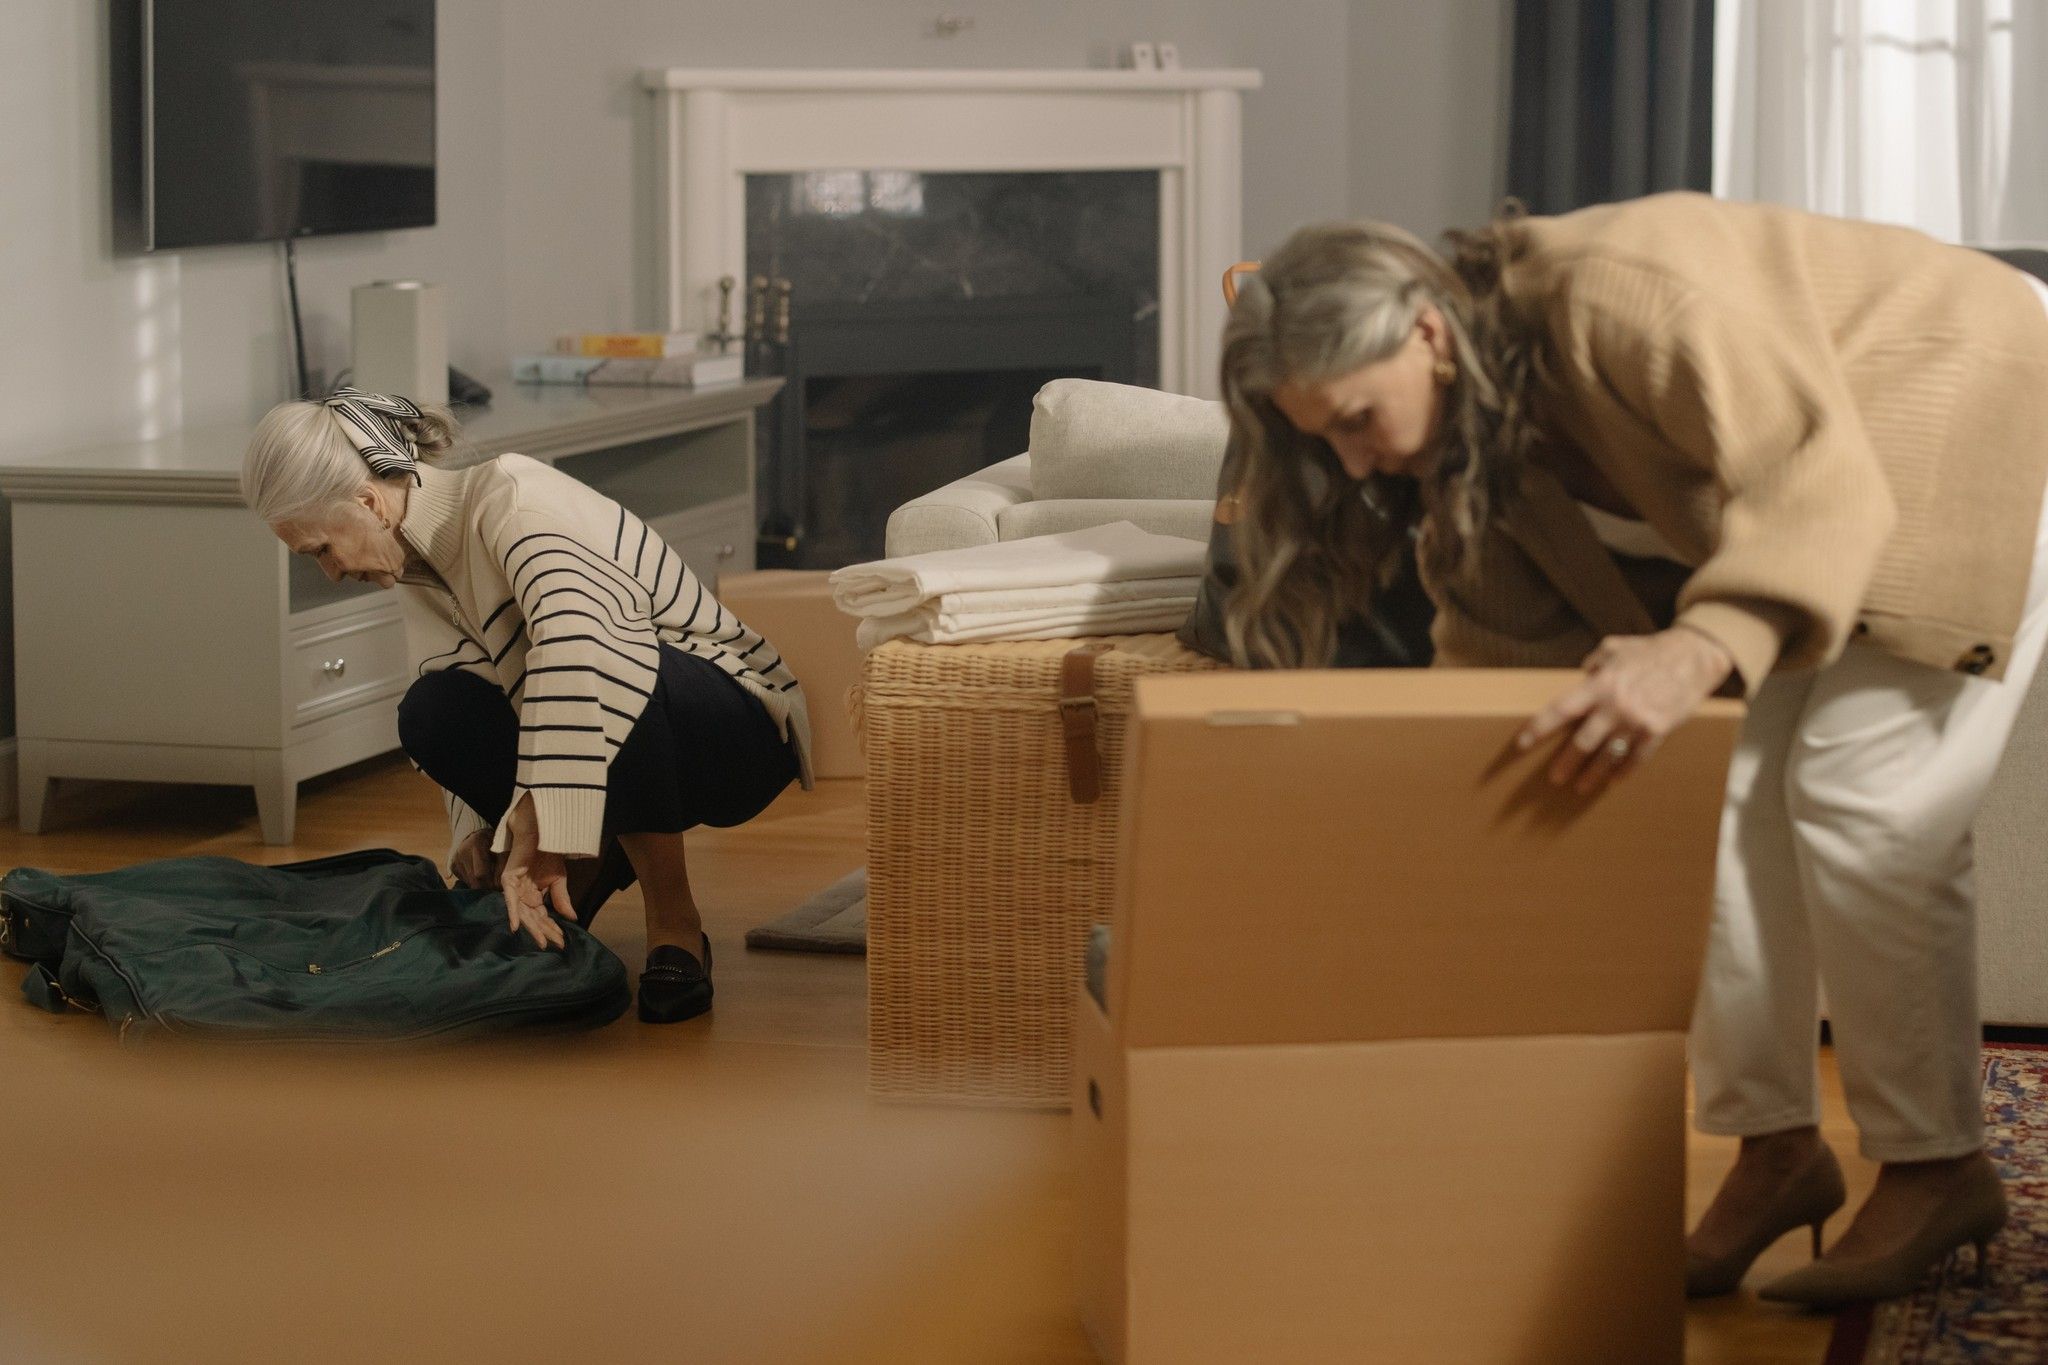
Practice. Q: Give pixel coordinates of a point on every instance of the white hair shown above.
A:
(301, 462)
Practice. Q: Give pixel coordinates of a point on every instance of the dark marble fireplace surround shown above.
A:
(926, 310)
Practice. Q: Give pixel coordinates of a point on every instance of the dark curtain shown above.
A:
(1612, 99)
(2032, 259)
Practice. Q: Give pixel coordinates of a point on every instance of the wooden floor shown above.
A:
(721, 1191)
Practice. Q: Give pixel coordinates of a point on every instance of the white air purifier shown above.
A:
(399, 339)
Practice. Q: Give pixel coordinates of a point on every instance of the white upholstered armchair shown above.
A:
(1099, 453)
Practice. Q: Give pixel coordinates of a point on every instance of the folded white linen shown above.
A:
(1117, 552)
(1070, 595)
(951, 628)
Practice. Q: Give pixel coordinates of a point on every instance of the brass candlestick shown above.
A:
(725, 335)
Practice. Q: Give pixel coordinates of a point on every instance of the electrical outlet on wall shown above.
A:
(1141, 57)
(1167, 55)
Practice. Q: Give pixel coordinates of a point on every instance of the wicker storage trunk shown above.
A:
(984, 871)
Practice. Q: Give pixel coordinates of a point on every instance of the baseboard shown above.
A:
(2030, 1035)
(10, 779)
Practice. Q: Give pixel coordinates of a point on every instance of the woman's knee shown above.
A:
(748, 788)
(1871, 825)
(447, 712)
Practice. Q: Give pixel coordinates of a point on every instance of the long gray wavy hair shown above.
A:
(1312, 543)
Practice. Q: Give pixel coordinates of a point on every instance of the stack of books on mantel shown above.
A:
(641, 359)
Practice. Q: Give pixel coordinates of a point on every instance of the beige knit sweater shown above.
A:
(1843, 425)
(564, 599)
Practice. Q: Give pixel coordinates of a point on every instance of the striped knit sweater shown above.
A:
(563, 599)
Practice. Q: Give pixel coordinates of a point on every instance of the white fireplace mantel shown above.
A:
(714, 128)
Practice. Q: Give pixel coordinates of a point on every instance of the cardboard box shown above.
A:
(793, 609)
(1392, 1066)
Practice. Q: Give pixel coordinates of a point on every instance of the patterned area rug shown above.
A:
(1952, 1321)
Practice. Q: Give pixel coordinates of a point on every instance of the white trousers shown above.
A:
(1845, 860)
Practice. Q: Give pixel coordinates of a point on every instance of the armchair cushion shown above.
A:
(1094, 440)
(965, 512)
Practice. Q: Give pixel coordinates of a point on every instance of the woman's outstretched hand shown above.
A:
(1637, 690)
(533, 881)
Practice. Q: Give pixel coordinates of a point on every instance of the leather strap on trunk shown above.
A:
(1077, 723)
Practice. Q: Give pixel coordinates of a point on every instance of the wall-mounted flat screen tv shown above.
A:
(268, 119)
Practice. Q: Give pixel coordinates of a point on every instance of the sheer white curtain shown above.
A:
(1932, 113)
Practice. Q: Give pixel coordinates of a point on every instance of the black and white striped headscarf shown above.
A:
(371, 421)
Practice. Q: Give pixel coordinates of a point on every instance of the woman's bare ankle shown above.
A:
(676, 932)
(662, 864)
(686, 937)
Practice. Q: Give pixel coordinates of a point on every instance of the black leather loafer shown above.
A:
(675, 985)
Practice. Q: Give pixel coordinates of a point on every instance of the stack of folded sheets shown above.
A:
(1106, 580)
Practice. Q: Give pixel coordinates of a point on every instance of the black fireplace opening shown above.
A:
(886, 401)
(874, 442)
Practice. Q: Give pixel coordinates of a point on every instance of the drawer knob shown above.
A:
(727, 551)
(334, 668)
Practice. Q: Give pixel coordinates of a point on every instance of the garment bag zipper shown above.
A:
(316, 969)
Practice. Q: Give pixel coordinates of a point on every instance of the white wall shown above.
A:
(579, 221)
(1374, 107)
(102, 348)
(98, 348)
(1386, 107)
(1428, 111)
(1382, 107)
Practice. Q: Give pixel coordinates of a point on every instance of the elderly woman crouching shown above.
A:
(580, 698)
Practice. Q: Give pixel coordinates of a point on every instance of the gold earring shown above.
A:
(1445, 372)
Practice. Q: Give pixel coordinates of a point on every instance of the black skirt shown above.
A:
(705, 751)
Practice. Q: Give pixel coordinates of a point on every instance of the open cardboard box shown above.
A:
(1392, 1061)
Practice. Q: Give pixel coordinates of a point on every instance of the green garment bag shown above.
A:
(364, 946)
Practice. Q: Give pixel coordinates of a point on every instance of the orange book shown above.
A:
(626, 345)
